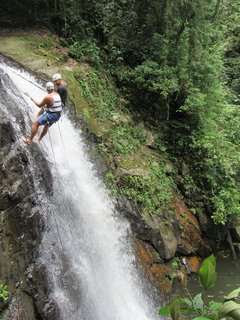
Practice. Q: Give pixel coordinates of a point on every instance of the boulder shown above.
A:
(154, 268)
(156, 231)
(188, 231)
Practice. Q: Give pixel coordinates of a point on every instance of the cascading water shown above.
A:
(91, 267)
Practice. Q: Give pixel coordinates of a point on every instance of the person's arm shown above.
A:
(41, 112)
(46, 102)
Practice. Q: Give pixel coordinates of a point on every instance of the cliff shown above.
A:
(153, 193)
(21, 222)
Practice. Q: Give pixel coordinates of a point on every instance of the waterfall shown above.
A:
(86, 247)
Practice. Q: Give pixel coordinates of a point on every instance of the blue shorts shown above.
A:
(47, 119)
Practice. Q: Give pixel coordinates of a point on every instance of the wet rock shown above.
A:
(154, 268)
(21, 307)
(164, 242)
(20, 227)
(194, 263)
(169, 240)
(6, 135)
(207, 247)
(188, 231)
(38, 287)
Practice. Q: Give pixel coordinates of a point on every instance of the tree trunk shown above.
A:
(229, 240)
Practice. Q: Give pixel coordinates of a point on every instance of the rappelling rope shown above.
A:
(61, 189)
(59, 183)
(51, 146)
(27, 94)
(58, 232)
(36, 85)
(62, 140)
(63, 203)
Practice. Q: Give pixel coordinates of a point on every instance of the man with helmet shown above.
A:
(61, 88)
(53, 106)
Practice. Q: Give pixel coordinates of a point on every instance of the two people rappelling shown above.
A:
(51, 108)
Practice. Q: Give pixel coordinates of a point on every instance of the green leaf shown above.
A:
(235, 314)
(233, 294)
(164, 311)
(198, 302)
(228, 307)
(207, 273)
(188, 302)
(214, 306)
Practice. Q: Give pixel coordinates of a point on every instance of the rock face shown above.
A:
(167, 246)
(189, 232)
(21, 189)
(181, 236)
(156, 270)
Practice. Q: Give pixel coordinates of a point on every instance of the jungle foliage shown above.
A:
(198, 307)
(178, 64)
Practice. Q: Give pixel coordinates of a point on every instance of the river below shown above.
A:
(228, 279)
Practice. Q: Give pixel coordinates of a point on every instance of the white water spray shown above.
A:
(90, 263)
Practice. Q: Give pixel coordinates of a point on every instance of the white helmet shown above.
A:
(56, 77)
(50, 85)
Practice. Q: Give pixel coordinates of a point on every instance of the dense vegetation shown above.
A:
(177, 63)
(197, 307)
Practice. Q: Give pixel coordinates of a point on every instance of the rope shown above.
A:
(27, 94)
(36, 85)
(58, 232)
(67, 211)
(44, 145)
(63, 204)
(51, 146)
(59, 184)
(62, 140)
(66, 207)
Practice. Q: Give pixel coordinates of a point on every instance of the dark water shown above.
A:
(228, 279)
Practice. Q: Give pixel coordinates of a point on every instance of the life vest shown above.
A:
(57, 105)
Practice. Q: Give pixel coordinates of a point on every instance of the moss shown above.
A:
(27, 49)
(136, 160)
(75, 92)
(96, 100)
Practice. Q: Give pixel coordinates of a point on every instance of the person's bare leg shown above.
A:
(33, 132)
(44, 131)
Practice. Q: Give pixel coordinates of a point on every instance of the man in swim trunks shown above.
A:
(52, 105)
